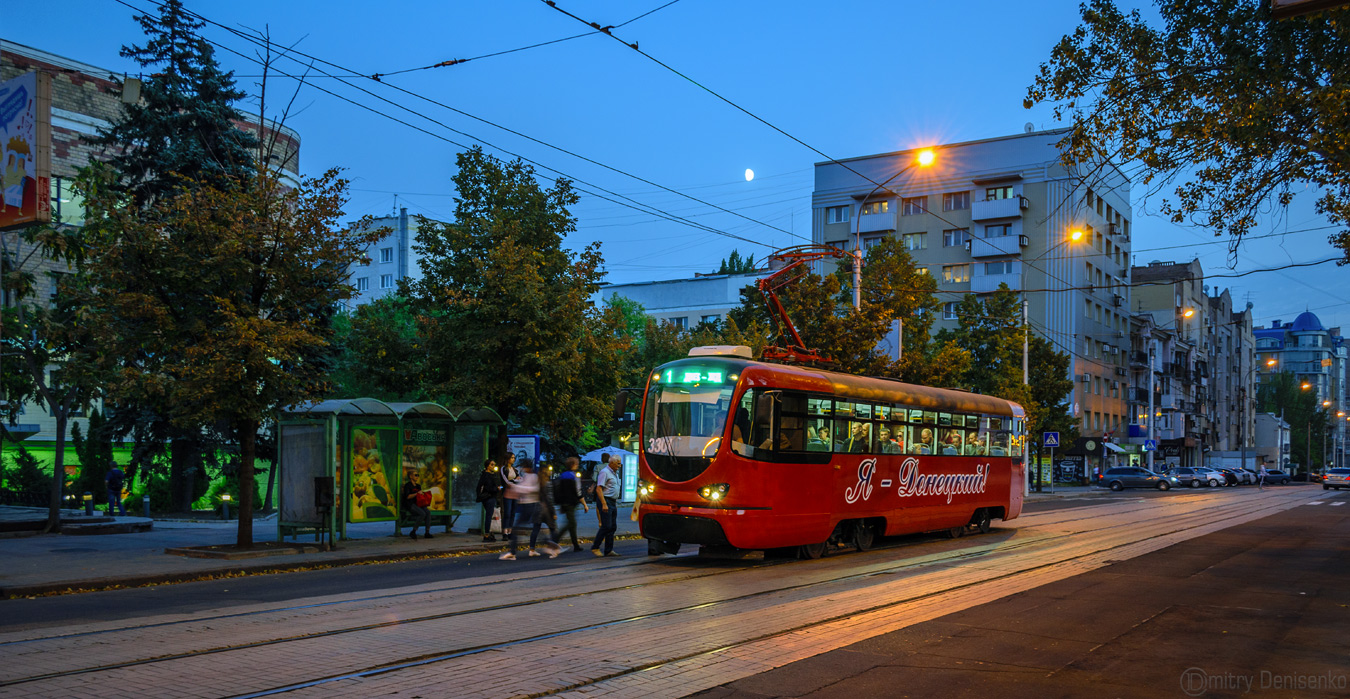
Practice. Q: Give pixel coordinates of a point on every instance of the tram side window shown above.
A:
(819, 436)
(923, 439)
(1018, 437)
(852, 427)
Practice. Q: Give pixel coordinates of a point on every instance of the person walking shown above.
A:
(567, 495)
(1261, 477)
(114, 481)
(510, 474)
(416, 501)
(489, 490)
(545, 515)
(607, 499)
(525, 493)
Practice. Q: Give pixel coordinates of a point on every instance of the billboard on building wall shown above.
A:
(25, 150)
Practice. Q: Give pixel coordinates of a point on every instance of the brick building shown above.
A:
(86, 98)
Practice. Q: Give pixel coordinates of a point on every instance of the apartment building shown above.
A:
(387, 261)
(1005, 211)
(684, 303)
(1317, 356)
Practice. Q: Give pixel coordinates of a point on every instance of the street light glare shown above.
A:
(1076, 235)
(1306, 386)
(926, 157)
(1270, 362)
(1188, 313)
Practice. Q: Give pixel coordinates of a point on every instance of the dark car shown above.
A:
(1134, 477)
(1230, 476)
(1276, 477)
(1336, 478)
(1188, 476)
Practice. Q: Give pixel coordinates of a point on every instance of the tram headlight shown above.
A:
(646, 489)
(714, 492)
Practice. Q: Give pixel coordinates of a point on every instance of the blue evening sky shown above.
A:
(848, 78)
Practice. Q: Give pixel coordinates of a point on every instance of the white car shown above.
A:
(1336, 478)
(1213, 478)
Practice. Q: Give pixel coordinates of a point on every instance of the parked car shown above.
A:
(1336, 478)
(1275, 476)
(1251, 475)
(1230, 475)
(1212, 477)
(1135, 477)
(1188, 476)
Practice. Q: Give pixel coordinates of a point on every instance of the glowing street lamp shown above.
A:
(925, 158)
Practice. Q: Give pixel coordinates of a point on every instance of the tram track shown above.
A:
(1181, 522)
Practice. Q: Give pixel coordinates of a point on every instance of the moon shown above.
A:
(749, 174)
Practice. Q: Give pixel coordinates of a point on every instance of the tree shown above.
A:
(1237, 109)
(735, 264)
(505, 311)
(60, 360)
(183, 130)
(379, 353)
(229, 325)
(96, 456)
(182, 133)
(1283, 395)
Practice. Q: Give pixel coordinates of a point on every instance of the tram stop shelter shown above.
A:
(345, 461)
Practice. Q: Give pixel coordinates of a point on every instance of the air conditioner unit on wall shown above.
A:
(1023, 240)
(1085, 378)
(1023, 202)
(967, 246)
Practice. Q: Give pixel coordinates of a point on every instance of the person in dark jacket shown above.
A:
(417, 512)
(114, 481)
(489, 490)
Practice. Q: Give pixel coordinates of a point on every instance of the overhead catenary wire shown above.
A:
(583, 185)
(284, 51)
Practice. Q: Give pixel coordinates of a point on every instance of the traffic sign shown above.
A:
(1150, 445)
(1050, 439)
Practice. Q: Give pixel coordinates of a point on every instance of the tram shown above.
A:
(743, 454)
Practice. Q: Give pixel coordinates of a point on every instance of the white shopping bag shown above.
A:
(496, 527)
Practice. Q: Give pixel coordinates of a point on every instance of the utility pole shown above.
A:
(1026, 374)
(1148, 429)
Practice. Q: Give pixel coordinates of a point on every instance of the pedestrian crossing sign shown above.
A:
(1050, 439)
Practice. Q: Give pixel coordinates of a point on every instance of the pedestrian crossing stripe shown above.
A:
(1316, 502)
(1338, 504)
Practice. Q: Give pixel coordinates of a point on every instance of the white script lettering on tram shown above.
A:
(863, 488)
(915, 484)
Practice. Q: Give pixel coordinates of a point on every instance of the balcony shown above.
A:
(1000, 246)
(988, 283)
(996, 208)
(1138, 358)
(874, 223)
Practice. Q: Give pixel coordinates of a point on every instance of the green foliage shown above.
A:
(23, 473)
(735, 264)
(504, 310)
(182, 131)
(1237, 110)
(96, 456)
(378, 352)
(1283, 394)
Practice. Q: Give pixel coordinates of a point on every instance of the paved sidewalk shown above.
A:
(53, 563)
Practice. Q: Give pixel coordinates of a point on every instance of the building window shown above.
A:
(1088, 198)
(955, 274)
(913, 205)
(386, 281)
(998, 230)
(1100, 204)
(1087, 307)
(955, 201)
(949, 310)
(710, 319)
(998, 267)
(992, 193)
(916, 241)
(953, 237)
(386, 254)
(869, 241)
(362, 283)
(837, 214)
(682, 322)
(876, 207)
(921, 270)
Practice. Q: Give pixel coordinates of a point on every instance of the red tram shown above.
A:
(744, 454)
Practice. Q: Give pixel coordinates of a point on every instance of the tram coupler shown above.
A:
(730, 553)
(656, 547)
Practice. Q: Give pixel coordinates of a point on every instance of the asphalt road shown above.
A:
(1259, 609)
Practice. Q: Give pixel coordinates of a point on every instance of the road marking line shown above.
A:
(1338, 504)
(1316, 502)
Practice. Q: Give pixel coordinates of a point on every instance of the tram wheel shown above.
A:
(811, 551)
(982, 522)
(956, 532)
(864, 535)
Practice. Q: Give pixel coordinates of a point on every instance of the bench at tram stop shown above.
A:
(447, 518)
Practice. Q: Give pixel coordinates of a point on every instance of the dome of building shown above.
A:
(1307, 322)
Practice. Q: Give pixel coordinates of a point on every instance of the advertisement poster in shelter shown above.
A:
(424, 463)
(373, 494)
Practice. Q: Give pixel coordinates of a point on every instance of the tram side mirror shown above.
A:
(622, 416)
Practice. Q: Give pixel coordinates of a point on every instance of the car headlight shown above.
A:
(645, 489)
(714, 492)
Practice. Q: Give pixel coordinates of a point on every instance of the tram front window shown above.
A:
(684, 426)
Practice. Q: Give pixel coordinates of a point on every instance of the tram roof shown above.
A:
(868, 388)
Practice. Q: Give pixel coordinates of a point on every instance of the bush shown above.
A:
(24, 473)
